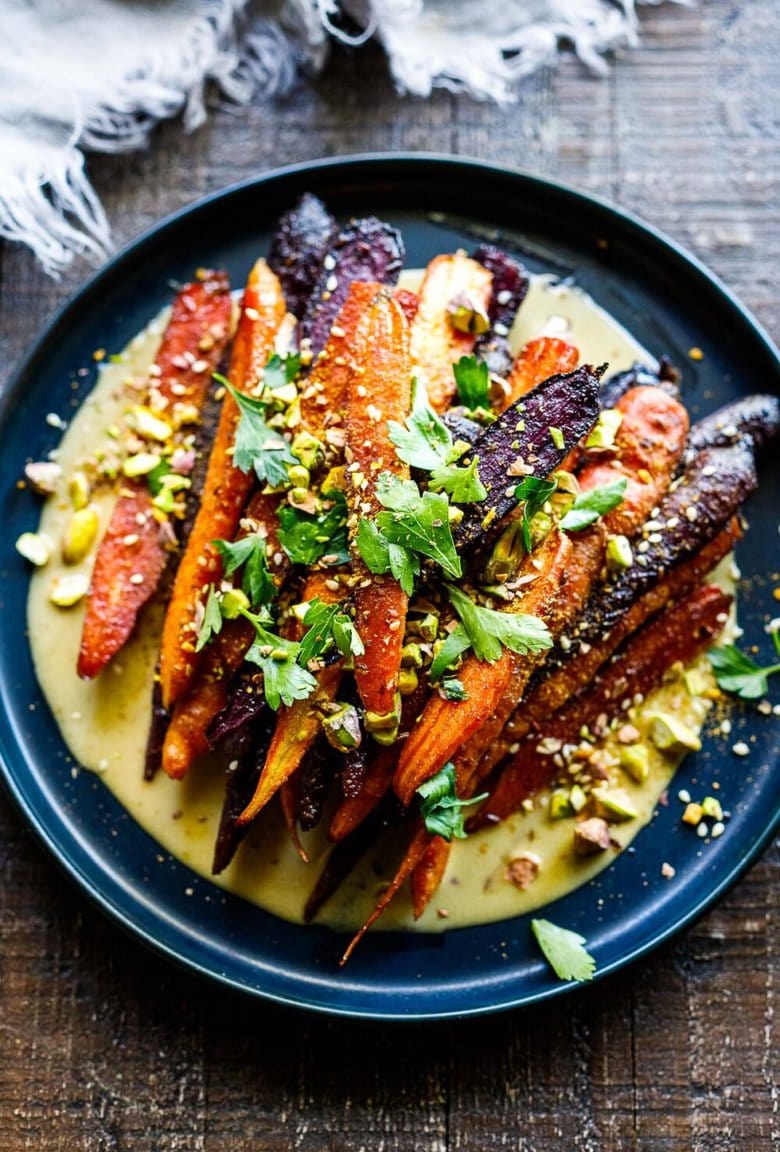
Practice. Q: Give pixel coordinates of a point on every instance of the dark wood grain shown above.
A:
(104, 1047)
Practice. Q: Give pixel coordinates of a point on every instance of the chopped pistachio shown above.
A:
(577, 798)
(308, 450)
(635, 760)
(466, 315)
(603, 432)
(42, 476)
(383, 726)
(591, 836)
(506, 556)
(541, 525)
(427, 627)
(619, 554)
(560, 805)
(695, 682)
(614, 804)
(711, 807)
(35, 547)
(411, 656)
(79, 490)
(300, 477)
(407, 681)
(80, 534)
(340, 725)
(148, 425)
(556, 435)
(669, 734)
(68, 590)
(140, 465)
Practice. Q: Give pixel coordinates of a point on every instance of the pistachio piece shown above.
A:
(79, 490)
(696, 682)
(411, 656)
(42, 476)
(466, 315)
(35, 547)
(577, 798)
(603, 432)
(148, 424)
(560, 805)
(619, 554)
(507, 555)
(340, 725)
(383, 726)
(80, 534)
(711, 807)
(635, 760)
(613, 804)
(308, 450)
(591, 836)
(669, 734)
(426, 628)
(69, 589)
(140, 464)
(407, 681)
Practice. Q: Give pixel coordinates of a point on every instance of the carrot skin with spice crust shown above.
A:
(435, 343)
(541, 358)
(226, 488)
(199, 326)
(379, 390)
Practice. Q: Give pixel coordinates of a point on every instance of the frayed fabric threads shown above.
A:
(100, 74)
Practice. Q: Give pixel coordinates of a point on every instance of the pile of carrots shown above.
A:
(334, 433)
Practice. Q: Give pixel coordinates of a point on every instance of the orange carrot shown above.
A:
(540, 359)
(678, 634)
(379, 390)
(435, 343)
(226, 488)
(428, 873)
(325, 393)
(134, 545)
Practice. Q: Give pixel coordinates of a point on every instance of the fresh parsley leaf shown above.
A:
(211, 625)
(490, 631)
(588, 506)
(328, 627)
(453, 690)
(418, 523)
(381, 557)
(534, 493)
(473, 380)
(258, 448)
(284, 681)
(454, 646)
(735, 672)
(564, 951)
(462, 485)
(423, 441)
(280, 371)
(306, 538)
(440, 807)
(250, 553)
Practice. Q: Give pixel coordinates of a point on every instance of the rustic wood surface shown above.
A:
(104, 1047)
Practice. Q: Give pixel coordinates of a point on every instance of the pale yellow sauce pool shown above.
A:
(105, 722)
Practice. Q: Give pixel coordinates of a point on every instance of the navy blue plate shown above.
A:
(662, 295)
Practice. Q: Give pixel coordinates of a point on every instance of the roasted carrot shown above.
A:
(325, 393)
(226, 488)
(428, 873)
(541, 358)
(133, 552)
(679, 633)
(435, 343)
(379, 390)
(298, 724)
(409, 302)
(414, 853)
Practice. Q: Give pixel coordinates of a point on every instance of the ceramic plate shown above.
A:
(671, 304)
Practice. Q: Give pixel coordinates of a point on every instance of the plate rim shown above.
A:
(26, 363)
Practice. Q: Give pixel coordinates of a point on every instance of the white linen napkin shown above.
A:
(99, 74)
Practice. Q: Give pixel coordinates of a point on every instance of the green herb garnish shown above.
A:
(211, 625)
(381, 557)
(425, 442)
(453, 690)
(534, 494)
(328, 627)
(462, 485)
(736, 673)
(250, 554)
(440, 807)
(419, 523)
(490, 631)
(454, 646)
(307, 538)
(473, 380)
(589, 506)
(564, 951)
(258, 448)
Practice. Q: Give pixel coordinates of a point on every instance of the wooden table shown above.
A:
(105, 1047)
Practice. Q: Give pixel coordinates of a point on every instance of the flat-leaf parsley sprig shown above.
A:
(737, 674)
(440, 806)
(564, 951)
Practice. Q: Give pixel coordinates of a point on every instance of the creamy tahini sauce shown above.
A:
(105, 722)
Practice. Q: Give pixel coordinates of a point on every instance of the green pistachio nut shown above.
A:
(308, 450)
(411, 656)
(300, 477)
(341, 726)
(507, 555)
(80, 535)
(79, 490)
(613, 805)
(407, 681)
(669, 734)
(635, 760)
(560, 806)
(383, 726)
(619, 554)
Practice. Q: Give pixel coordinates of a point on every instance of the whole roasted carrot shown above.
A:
(133, 552)
(539, 359)
(436, 344)
(226, 488)
(379, 391)
(679, 633)
(428, 873)
(297, 725)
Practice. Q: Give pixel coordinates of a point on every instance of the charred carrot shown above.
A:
(428, 874)
(379, 391)
(540, 359)
(226, 488)
(325, 392)
(296, 725)
(436, 344)
(135, 551)
(679, 633)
